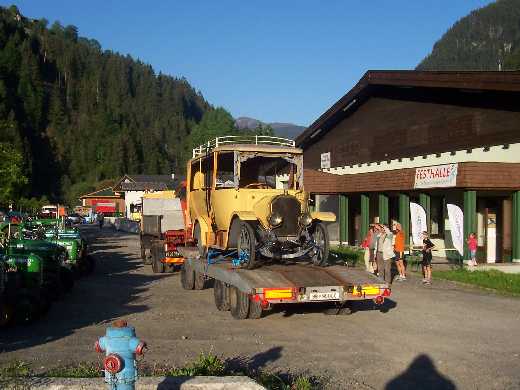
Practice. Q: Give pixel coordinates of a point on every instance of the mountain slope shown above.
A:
(486, 39)
(286, 130)
(79, 114)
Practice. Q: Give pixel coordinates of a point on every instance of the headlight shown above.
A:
(305, 219)
(275, 219)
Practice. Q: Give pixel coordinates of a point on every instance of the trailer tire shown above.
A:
(255, 309)
(187, 277)
(200, 281)
(157, 264)
(239, 303)
(221, 294)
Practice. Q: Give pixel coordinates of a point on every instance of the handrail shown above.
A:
(242, 139)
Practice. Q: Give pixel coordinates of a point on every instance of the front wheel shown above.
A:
(320, 239)
(246, 246)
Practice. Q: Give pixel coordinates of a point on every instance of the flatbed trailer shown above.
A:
(249, 293)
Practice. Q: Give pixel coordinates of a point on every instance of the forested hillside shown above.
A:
(487, 39)
(79, 115)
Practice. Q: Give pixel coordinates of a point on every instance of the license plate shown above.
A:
(324, 296)
(172, 254)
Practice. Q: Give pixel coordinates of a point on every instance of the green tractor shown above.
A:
(24, 295)
(69, 238)
(57, 273)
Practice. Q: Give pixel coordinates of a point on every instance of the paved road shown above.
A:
(443, 337)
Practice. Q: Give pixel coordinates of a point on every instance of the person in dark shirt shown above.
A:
(427, 259)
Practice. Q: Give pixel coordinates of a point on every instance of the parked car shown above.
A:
(75, 218)
(246, 193)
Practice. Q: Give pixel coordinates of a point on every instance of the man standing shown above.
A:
(385, 253)
(101, 220)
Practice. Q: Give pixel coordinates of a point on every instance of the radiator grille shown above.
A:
(290, 209)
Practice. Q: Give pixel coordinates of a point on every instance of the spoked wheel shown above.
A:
(320, 253)
(246, 246)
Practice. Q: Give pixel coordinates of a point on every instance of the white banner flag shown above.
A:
(419, 222)
(456, 217)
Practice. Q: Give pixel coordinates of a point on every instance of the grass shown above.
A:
(207, 364)
(498, 281)
(351, 255)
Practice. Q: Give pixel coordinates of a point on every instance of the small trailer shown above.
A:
(249, 293)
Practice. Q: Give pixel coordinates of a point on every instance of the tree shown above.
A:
(12, 179)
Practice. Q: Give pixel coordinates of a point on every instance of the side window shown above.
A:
(206, 167)
(225, 177)
(195, 167)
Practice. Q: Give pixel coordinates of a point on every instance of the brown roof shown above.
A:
(468, 80)
(474, 175)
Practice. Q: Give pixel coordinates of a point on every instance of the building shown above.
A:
(105, 200)
(436, 139)
(135, 186)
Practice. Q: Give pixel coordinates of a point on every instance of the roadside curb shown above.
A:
(145, 383)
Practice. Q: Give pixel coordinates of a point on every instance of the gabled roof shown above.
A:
(145, 182)
(465, 80)
(103, 193)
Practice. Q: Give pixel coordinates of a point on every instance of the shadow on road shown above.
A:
(255, 362)
(421, 374)
(110, 292)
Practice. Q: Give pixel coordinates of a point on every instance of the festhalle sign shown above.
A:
(436, 176)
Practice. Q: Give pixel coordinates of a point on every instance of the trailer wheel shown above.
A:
(221, 294)
(157, 264)
(320, 236)
(200, 281)
(255, 310)
(187, 277)
(238, 303)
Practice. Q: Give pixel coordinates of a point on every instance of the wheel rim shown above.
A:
(245, 245)
(319, 242)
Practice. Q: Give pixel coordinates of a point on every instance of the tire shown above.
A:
(221, 294)
(157, 264)
(238, 304)
(320, 236)
(187, 277)
(246, 246)
(147, 260)
(255, 310)
(67, 279)
(200, 281)
(90, 264)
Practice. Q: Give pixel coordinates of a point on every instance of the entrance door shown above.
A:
(491, 235)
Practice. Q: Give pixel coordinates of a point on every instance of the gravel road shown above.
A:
(439, 337)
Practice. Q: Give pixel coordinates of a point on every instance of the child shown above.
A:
(472, 246)
(427, 258)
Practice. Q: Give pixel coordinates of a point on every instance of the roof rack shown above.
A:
(242, 139)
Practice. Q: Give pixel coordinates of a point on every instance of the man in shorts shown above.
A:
(427, 259)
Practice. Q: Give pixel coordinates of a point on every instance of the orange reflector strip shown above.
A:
(371, 290)
(278, 293)
(174, 260)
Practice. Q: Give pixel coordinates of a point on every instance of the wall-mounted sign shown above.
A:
(436, 176)
(325, 160)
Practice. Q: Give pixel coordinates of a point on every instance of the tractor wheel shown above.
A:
(255, 310)
(320, 236)
(6, 314)
(187, 277)
(238, 304)
(221, 294)
(200, 281)
(246, 246)
(27, 308)
(67, 279)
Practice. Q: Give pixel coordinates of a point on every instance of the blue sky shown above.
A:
(282, 61)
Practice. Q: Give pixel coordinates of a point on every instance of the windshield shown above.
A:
(269, 171)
